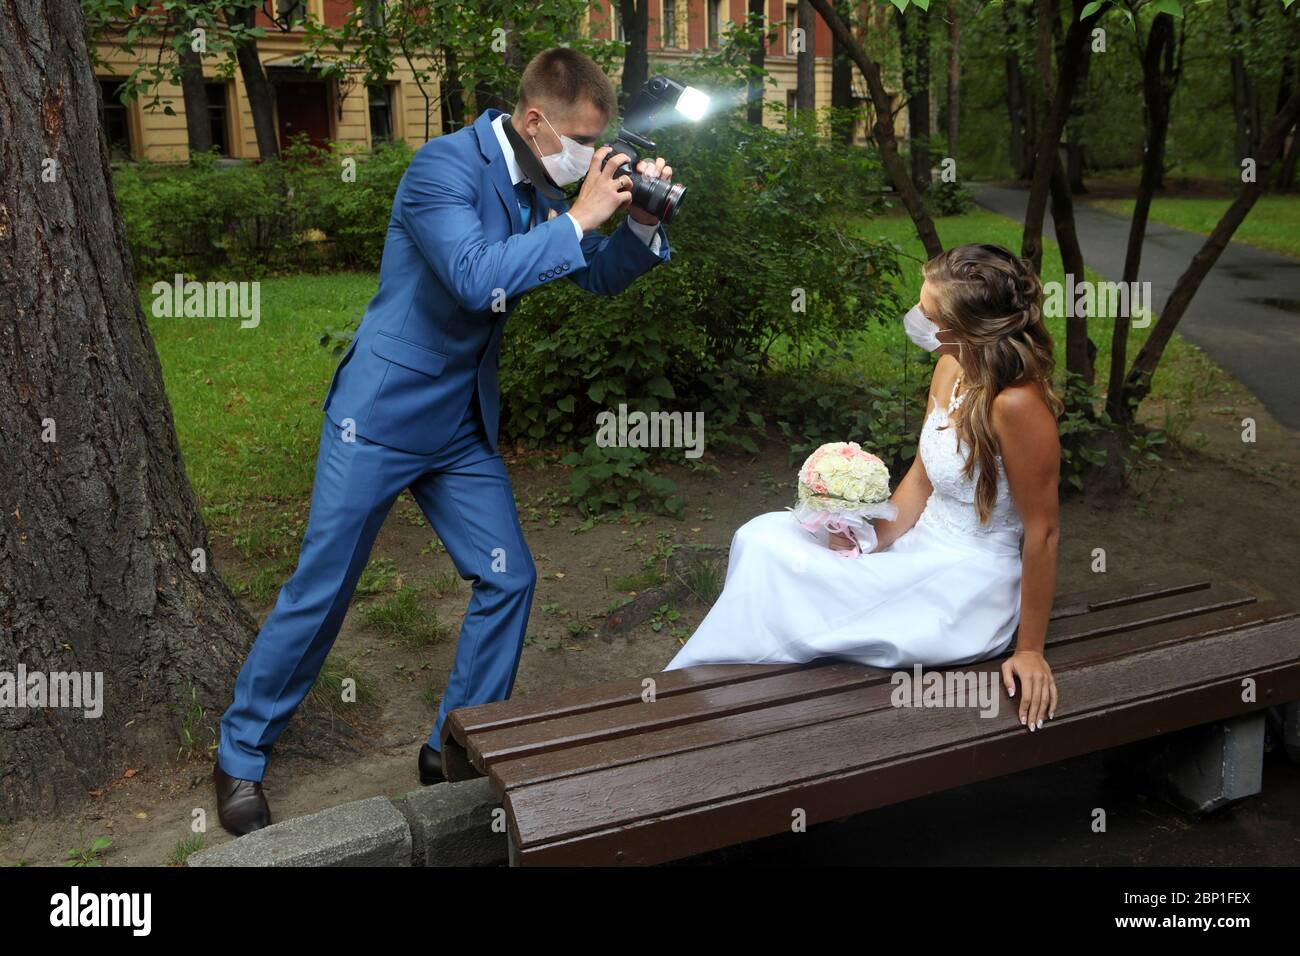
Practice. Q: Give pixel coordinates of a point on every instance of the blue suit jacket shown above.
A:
(455, 246)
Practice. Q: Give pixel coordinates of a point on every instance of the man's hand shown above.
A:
(659, 169)
(601, 194)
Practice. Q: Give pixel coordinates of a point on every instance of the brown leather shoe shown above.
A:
(430, 765)
(241, 805)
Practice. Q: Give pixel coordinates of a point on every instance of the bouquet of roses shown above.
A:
(841, 488)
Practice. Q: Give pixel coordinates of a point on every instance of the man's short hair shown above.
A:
(562, 77)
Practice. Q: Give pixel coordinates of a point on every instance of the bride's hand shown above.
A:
(841, 542)
(1038, 689)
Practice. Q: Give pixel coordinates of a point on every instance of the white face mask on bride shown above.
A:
(571, 163)
(921, 330)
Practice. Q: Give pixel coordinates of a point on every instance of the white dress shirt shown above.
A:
(646, 233)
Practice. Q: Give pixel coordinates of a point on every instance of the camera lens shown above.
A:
(657, 197)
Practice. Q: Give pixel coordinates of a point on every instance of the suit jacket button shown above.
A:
(541, 276)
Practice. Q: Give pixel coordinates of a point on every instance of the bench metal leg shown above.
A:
(1203, 769)
(1287, 727)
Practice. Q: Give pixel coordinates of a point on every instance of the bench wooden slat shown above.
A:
(608, 801)
(531, 768)
(554, 733)
(547, 734)
(674, 836)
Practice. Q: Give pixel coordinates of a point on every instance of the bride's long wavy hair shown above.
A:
(992, 300)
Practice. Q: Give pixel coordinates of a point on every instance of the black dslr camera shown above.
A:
(651, 193)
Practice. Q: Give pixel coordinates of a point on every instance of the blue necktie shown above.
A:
(525, 193)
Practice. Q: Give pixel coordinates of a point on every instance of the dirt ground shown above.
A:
(1213, 503)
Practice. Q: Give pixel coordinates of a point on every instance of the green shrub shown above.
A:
(761, 265)
(213, 217)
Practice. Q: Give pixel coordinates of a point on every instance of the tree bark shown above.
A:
(451, 91)
(1045, 162)
(883, 129)
(198, 129)
(757, 62)
(636, 60)
(1137, 383)
(261, 98)
(842, 83)
(805, 60)
(954, 77)
(1016, 109)
(98, 522)
(1156, 111)
(914, 52)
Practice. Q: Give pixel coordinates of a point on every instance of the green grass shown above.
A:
(247, 409)
(1273, 224)
(402, 615)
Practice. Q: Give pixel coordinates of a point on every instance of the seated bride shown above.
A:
(969, 563)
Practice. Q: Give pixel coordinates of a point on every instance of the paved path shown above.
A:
(1245, 316)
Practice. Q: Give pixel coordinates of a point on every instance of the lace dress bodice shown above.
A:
(951, 506)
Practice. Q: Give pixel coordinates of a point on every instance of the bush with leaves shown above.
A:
(763, 259)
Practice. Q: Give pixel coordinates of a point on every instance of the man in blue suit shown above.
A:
(415, 401)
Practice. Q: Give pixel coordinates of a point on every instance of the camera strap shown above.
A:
(530, 164)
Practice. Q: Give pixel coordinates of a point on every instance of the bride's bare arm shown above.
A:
(1031, 454)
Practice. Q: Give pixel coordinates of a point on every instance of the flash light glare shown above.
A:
(693, 103)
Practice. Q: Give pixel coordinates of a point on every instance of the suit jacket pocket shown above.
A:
(408, 354)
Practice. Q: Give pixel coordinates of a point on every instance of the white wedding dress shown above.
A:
(947, 591)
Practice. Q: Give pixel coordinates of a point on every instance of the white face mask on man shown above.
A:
(921, 330)
(571, 163)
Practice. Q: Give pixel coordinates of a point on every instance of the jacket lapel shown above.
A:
(498, 170)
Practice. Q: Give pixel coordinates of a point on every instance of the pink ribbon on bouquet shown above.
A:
(860, 535)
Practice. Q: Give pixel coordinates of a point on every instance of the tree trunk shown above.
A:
(805, 95)
(1016, 110)
(261, 99)
(1156, 102)
(451, 91)
(1243, 87)
(1137, 384)
(100, 525)
(914, 51)
(757, 63)
(954, 77)
(1075, 49)
(882, 129)
(1079, 350)
(198, 128)
(636, 60)
(842, 84)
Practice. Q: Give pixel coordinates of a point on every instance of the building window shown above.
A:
(381, 113)
(791, 24)
(670, 22)
(217, 117)
(115, 119)
(715, 23)
(792, 100)
(619, 35)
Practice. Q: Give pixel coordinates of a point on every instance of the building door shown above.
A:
(303, 108)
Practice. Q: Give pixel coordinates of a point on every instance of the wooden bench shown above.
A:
(723, 754)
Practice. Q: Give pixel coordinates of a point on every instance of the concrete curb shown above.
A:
(448, 824)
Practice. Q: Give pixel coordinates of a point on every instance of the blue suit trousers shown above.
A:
(465, 493)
